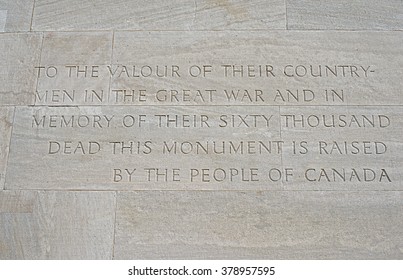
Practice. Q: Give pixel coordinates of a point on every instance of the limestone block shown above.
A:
(145, 147)
(56, 225)
(20, 56)
(73, 63)
(259, 225)
(157, 15)
(343, 148)
(221, 68)
(6, 121)
(345, 15)
(16, 15)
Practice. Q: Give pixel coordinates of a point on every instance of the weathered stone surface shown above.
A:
(344, 14)
(195, 147)
(20, 54)
(259, 225)
(17, 202)
(99, 147)
(64, 57)
(248, 68)
(366, 64)
(157, 15)
(343, 148)
(16, 15)
(203, 129)
(6, 120)
(72, 48)
(56, 225)
(3, 20)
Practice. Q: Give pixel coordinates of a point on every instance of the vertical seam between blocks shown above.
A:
(8, 148)
(111, 61)
(282, 150)
(39, 62)
(286, 17)
(32, 16)
(114, 226)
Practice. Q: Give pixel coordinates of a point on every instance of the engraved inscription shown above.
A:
(235, 147)
(268, 84)
(261, 111)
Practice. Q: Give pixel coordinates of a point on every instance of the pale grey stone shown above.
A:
(64, 56)
(17, 202)
(56, 225)
(376, 56)
(157, 15)
(73, 147)
(3, 20)
(343, 148)
(345, 14)
(356, 68)
(259, 225)
(58, 191)
(20, 54)
(6, 121)
(72, 48)
(364, 143)
(18, 15)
